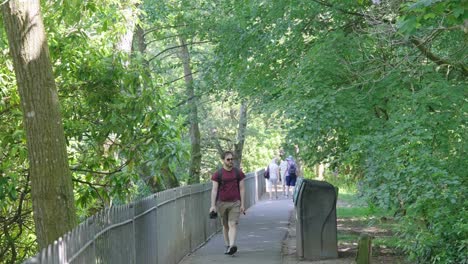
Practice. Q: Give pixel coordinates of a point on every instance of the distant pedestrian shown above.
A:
(227, 199)
(283, 173)
(291, 174)
(272, 182)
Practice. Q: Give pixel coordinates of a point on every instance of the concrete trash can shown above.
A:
(316, 231)
(296, 189)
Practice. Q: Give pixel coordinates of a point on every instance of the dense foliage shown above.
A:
(115, 116)
(376, 89)
(124, 113)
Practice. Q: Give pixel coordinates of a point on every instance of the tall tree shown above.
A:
(166, 178)
(129, 14)
(195, 153)
(51, 183)
(241, 134)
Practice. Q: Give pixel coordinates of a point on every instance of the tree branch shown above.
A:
(166, 37)
(175, 47)
(219, 148)
(89, 183)
(166, 83)
(102, 172)
(157, 28)
(434, 58)
(7, 109)
(92, 185)
(339, 9)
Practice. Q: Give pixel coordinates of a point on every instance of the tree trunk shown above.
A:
(195, 153)
(169, 178)
(140, 43)
(51, 182)
(126, 39)
(239, 145)
(166, 178)
(319, 171)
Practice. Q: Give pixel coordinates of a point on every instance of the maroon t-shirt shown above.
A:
(229, 189)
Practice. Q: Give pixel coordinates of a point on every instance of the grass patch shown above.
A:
(360, 212)
(356, 217)
(388, 241)
(347, 238)
(355, 206)
(352, 212)
(350, 198)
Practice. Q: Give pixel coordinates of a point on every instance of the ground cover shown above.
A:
(354, 218)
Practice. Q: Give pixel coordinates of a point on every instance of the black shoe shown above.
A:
(232, 250)
(227, 250)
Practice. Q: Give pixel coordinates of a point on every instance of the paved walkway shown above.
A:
(259, 238)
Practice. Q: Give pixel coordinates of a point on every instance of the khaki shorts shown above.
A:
(229, 211)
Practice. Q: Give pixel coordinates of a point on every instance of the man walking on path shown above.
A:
(261, 233)
(227, 199)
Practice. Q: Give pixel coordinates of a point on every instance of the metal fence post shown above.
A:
(133, 233)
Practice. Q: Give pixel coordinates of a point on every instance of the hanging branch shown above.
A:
(92, 185)
(102, 172)
(180, 78)
(89, 183)
(18, 219)
(219, 148)
(419, 44)
(166, 37)
(339, 9)
(434, 58)
(165, 27)
(175, 47)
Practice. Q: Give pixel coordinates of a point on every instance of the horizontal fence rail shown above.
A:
(161, 228)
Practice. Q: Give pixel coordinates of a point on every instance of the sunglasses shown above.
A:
(230, 159)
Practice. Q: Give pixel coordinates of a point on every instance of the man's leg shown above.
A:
(232, 232)
(224, 214)
(269, 188)
(226, 233)
(234, 214)
(276, 190)
(293, 184)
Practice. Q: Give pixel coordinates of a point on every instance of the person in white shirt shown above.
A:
(283, 173)
(274, 177)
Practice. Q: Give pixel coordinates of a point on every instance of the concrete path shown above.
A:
(259, 239)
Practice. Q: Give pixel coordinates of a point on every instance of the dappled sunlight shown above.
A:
(360, 225)
(366, 95)
(34, 19)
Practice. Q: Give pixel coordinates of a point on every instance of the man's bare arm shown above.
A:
(242, 195)
(214, 193)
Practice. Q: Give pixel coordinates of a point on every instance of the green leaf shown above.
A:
(458, 12)
(429, 16)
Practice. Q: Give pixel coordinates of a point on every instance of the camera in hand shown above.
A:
(213, 214)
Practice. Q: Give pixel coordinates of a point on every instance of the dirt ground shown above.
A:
(346, 251)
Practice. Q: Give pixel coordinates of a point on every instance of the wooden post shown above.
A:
(364, 253)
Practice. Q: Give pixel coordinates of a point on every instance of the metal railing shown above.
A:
(161, 228)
